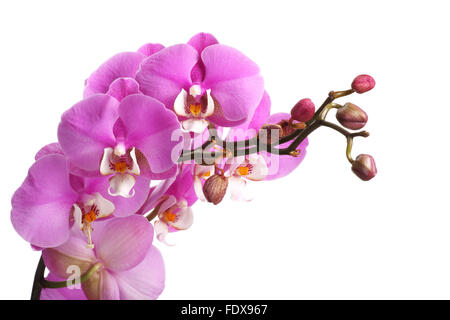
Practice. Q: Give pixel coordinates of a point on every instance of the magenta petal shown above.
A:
(61, 293)
(166, 72)
(52, 148)
(72, 253)
(281, 166)
(155, 195)
(150, 48)
(122, 87)
(41, 206)
(145, 281)
(238, 98)
(183, 187)
(250, 128)
(123, 242)
(124, 64)
(109, 289)
(200, 41)
(149, 126)
(223, 63)
(86, 129)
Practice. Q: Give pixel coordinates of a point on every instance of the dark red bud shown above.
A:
(215, 188)
(363, 83)
(364, 167)
(351, 116)
(303, 111)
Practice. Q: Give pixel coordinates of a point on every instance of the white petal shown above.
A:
(259, 170)
(195, 90)
(77, 216)
(180, 104)
(105, 169)
(104, 206)
(202, 170)
(185, 218)
(195, 125)
(237, 187)
(161, 231)
(122, 185)
(198, 188)
(135, 167)
(210, 106)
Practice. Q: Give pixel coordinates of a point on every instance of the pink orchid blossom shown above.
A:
(123, 140)
(50, 201)
(203, 80)
(174, 208)
(128, 266)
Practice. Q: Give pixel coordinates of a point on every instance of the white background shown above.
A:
(319, 233)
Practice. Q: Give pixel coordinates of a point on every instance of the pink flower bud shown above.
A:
(215, 188)
(364, 167)
(303, 111)
(351, 116)
(363, 83)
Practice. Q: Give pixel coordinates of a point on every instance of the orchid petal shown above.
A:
(166, 72)
(51, 148)
(185, 219)
(101, 286)
(195, 125)
(238, 98)
(124, 64)
(150, 127)
(198, 187)
(259, 169)
(86, 129)
(73, 252)
(122, 87)
(145, 281)
(237, 187)
(105, 167)
(150, 48)
(179, 105)
(161, 231)
(123, 242)
(42, 205)
(122, 184)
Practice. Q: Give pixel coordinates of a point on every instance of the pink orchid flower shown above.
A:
(128, 266)
(203, 80)
(174, 207)
(50, 201)
(123, 140)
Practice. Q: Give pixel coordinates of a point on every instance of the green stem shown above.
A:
(63, 284)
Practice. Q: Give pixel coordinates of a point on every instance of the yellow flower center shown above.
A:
(89, 217)
(120, 167)
(207, 174)
(243, 171)
(169, 216)
(195, 109)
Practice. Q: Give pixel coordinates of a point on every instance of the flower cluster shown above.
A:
(158, 129)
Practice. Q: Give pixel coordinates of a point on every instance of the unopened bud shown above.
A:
(303, 111)
(364, 167)
(351, 116)
(215, 188)
(363, 83)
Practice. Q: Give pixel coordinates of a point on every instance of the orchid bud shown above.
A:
(303, 111)
(351, 116)
(215, 188)
(364, 167)
(363, 83)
